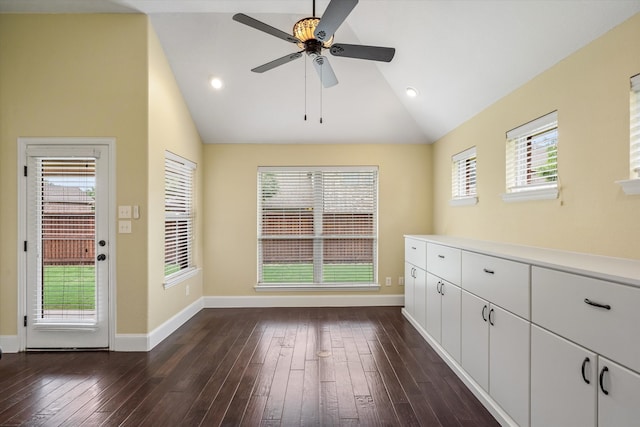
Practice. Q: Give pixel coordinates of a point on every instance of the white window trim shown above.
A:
(632, 186)
(533, 192)
(331, 286)
(467, 200)
(191, 271)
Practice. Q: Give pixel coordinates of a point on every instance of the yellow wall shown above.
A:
(97, 75)
(230, 198)
(76, 75)
(170, 128)
(590, 90)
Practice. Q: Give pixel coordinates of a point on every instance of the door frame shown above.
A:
(23, 144)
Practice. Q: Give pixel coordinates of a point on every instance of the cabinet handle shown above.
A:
(413, 247)
(486, 270)
(597, 304)
(484, 312)
(584, 365)
(414, 273)
(441, 256)
(605, 369)
(438, 287)
(491, 319)
(442, 288)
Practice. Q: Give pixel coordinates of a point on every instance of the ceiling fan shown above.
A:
(314, 34)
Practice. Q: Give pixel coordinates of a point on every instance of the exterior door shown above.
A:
(67, 289)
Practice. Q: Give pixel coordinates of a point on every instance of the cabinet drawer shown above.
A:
(560, 303)
(444, 262)
(415, 252)
(503, 282)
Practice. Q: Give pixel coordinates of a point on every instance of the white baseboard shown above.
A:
(487, 401)
(260, 301)
(146, 342)
(9, 343)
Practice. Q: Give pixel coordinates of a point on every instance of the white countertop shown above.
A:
(621, 270)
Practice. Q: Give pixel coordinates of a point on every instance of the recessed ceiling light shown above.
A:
(216, 83)
(412, 92)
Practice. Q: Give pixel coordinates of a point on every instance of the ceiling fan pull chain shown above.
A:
(321, 87)
(305, 89)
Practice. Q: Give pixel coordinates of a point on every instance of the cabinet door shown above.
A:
(563, 382)
(433, 307)
(409, 294)
(419, 293)
(475, 338)
(451, 319)
(621, 406)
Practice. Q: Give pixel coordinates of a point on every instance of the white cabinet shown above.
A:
(543, 337)
(618, 395)
(563, 382)
(495, 352)
(443, 314)
(572, 386)
(415, 279)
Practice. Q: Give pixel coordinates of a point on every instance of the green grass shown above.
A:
(303, 273)
(69, 287)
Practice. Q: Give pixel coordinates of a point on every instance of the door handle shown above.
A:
(605, 369)
(584, 365)
(102, 257)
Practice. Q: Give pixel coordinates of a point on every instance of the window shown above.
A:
(178, 218)
(634, 131)
(632, 186)
(463, 178)
(532, 160)
(317, 227)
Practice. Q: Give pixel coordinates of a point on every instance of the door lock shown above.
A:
(102, 243)
(102, 257)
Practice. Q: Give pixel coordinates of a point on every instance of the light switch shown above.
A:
(124, 227)
(136, 212)
(124, 211)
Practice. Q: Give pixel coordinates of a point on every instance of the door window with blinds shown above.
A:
(532, 159)
(463, 178)
(179, 218)
(317, 225)
(64, 203)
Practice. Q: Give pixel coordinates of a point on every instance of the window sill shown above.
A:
(534, 194)
(284, 287)
(630, 186)
(464, 201)
(180, 277)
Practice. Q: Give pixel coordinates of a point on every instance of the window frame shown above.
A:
(631, 186)
(518, 161)
(183, 211)
(316, 235)
(464, 173)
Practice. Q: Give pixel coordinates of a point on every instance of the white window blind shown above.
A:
(635, 126)
(463, 174)
(317, 225)
(179, 216)
(532, 155)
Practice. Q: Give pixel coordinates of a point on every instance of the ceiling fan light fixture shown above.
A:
(411, 92)
(303, 30)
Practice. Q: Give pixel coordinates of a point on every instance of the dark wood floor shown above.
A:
(253, 367)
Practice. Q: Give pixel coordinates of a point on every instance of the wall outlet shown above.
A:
(401, 280)
(124, 227)
(124, 212)
(387, 281)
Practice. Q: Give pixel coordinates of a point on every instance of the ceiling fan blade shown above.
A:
(335, 14)
(259, 25)
(277, 62)
(374, 53)
(327, 76)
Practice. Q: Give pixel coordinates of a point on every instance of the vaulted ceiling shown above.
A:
(460, 55)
